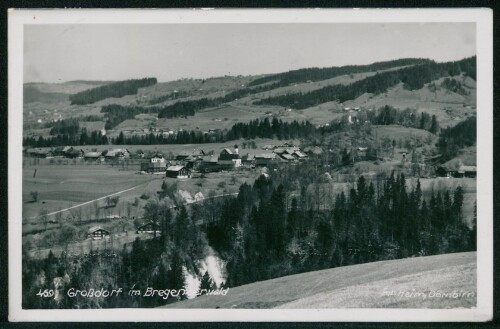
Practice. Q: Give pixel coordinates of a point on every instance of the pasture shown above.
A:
(62, 186)
(358, 286)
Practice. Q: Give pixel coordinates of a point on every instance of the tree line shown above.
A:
(262, 238)
(274, 128)
(115, 89)
(317, 74)
(413, 78)
(453, 139)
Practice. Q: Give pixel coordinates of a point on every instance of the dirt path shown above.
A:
(129, 189)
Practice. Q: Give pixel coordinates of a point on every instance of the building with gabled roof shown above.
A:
(287, 157)
(155, 164)
(117, 153)
(178, 171)
(97, 233)
(149, 227)
(265, 159)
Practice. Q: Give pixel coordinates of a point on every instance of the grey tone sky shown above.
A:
(55, 53)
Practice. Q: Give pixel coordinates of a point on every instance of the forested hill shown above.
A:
(413, 77)
(116, 89)
(316, 74)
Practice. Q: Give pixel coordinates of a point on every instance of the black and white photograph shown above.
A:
(281, 165)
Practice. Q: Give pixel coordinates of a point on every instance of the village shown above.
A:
(179, 165)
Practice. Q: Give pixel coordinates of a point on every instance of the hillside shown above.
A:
(370, 285)
(220, 102)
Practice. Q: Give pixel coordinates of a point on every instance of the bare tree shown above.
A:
(43, 217)
(97, 210)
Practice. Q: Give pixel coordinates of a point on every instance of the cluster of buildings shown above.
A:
(227, 159)
(99, 233)
(71, 152)
(457, 172)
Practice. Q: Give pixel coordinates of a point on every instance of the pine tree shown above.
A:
(434, 125)
(206, 284)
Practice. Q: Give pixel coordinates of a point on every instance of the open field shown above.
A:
(62, 186)
(359, 286)
(400, 132)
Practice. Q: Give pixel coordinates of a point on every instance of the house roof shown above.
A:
(299, 154)
(195, 152)
(467, 168)
(96, 228)
(248, 157)
(265, 156)
(287, 156)
(279, 150)
(157, 155)
(228, 151)
(92, 154)
(175, 168)
(114, 152)
(210, 158)
(149, 223)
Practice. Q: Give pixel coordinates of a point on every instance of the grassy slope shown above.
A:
(447, 106)
(357, 286)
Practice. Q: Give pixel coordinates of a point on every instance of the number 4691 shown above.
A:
(45, 293)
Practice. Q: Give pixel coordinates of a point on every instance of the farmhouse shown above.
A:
(265, 159)
(178, 172)
(229, 159)
(287, 157)
(156, 164)
(60, 150)
(210, 163)
(467, 171)
(462, 171)
(248, 160)
(93, 156)
(185, 154)
(299, 155)
(97, 233)
(149, 227)
(73, 153)
(40, 153)
(192, 162)
(119, 154)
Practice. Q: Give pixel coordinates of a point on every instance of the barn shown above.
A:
(178, 172)
(149, 227)
(97, 233)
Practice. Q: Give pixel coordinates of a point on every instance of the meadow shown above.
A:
(358, 286)
(62, 186)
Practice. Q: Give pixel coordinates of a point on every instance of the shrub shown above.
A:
(34, 196)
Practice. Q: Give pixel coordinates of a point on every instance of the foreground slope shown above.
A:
(371, 285)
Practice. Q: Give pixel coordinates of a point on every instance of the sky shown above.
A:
(58, 53)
